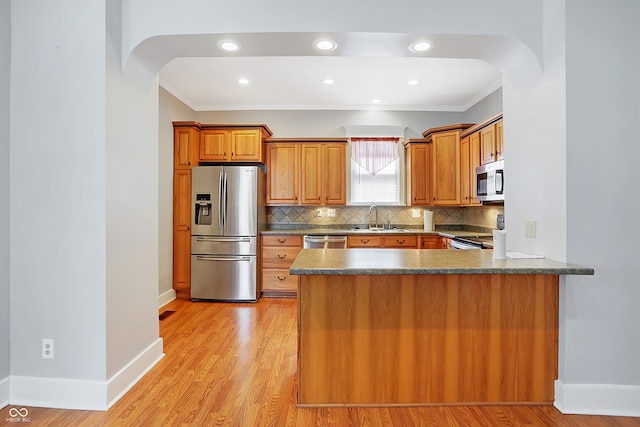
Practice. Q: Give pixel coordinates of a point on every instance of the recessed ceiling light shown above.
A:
(421, 46)
(375, 101)
(412, 82)
(325, 44)
(229, 45)
(328, 81)
(243, 81)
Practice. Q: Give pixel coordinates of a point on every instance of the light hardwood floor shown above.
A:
(235, 365)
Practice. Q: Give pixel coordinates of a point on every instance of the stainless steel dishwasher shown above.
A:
(325, 242)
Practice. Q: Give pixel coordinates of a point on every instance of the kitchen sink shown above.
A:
(379, 230)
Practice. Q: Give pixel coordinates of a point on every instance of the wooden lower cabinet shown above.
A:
(387, 241)
(431, 242)
(427, 339)
(278, 253)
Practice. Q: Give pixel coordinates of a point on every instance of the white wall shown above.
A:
(5, 57)
(600, 325)
(170, 110)
(83, 209)
(57, 191)
(296, 124)
(487, 107)
(131, 221)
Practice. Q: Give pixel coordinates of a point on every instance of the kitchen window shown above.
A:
(375, 171)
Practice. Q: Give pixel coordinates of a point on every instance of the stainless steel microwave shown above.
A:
(490, 181)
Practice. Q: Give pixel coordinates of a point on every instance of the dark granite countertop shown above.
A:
(422, 261)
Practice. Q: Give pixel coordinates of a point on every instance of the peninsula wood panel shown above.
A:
(427, 339)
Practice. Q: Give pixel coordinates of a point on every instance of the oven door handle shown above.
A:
(222, 258)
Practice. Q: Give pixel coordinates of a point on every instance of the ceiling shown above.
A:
(296, 83)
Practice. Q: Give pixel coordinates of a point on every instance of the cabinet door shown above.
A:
(488, 144)
(214, 145)
(182, 233)
(311, 174)
(499, 140)
(419, 175)
(430, 242)
(282, 174)
(185, 147)
(465, 171)
(246, 145)
(446, 168)
(335, 177)
(474, 162)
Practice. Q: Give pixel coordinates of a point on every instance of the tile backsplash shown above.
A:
(298, 216)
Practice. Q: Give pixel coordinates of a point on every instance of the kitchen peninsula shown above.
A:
(419, 327)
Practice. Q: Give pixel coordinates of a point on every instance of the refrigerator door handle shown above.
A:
(222, 258)
(224, 206)
(220, 189)
(223, 239)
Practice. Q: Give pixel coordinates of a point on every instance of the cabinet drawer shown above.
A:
(282, 240)
(364, 241)
(278, 257)
(278, 280)
(401, 242)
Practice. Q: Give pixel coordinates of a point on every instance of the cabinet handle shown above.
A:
(282, 241)
(282, 256)
(318, 198)
(282, 278)
(400, 241)
(364, 241)
(225, 154)
(492, 154)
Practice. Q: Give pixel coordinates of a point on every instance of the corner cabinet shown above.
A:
(308, 172)
(193, 144)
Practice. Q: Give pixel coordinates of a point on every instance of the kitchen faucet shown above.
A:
(376, 208)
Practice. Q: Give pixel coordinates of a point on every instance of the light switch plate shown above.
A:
(530, 229)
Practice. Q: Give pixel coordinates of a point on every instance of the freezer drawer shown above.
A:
(206, 245)
(224, 278)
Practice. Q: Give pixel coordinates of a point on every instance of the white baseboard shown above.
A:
(128, 376)
(166, 297)
(92, 395)
(4, 392)
(597, 399)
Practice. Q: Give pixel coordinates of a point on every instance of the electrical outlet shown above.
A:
(319, 213)
(47, 348)
(331, 212)
(415, 213)
(530, 229)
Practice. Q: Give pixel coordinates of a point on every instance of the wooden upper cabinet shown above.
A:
(319, 172)
(488, 144)
(446, 168)
(185, 146)
(499, 140)
(246, 145)
(418, 172)
(214, 145)
(469, 161)
(335, 173)
(225, 143)
(311, 174)
(282, 173)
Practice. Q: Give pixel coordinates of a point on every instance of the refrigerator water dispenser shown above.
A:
(203, 209)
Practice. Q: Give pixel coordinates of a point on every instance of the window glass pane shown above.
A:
(383, 187)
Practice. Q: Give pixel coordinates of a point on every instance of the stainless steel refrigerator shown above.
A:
(227, 214)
